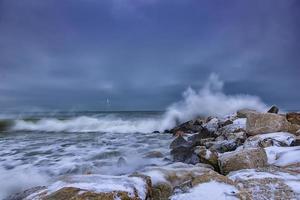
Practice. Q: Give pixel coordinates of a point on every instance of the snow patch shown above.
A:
(209, 191)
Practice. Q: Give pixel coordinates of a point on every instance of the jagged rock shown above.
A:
(179, 142)
(188, 127)
(238, 125)
(222, 145)
(260, 123)
(270, 139)
(293, 117)
(273, 109)
(154, 154)
(267, 183)
(244, 112)
(207, 156)
(197, 139)
(242, 159)
(184, 154)
(212, 124)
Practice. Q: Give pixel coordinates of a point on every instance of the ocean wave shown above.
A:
(89, 124)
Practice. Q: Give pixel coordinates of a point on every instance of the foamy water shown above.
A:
(38, 152)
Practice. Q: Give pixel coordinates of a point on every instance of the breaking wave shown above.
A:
(89, 124)
(210, 100)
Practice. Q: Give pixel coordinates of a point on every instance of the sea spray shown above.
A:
(210, 100)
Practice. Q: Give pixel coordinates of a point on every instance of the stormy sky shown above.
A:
(142, 54)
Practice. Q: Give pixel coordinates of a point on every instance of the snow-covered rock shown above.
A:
(101, 186)
(268, 183)
(285, 157)
(270, 139)
(209, 191)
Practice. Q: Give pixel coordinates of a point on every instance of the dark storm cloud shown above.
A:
(143, 54)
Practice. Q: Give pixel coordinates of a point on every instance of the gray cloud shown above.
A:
(143, 54)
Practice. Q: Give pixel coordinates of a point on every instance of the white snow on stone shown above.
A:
(156, 176)
(212, 125)
(247, 174)
(209, 191)
(282, 156)
(278, 138)
(99, 184)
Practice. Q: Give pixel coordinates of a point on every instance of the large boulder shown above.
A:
(95, 187)
(267, 183)
(242, 159)
(178, 180)
(293, 117)
(260, 123)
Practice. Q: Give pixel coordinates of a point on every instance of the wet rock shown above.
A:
(207, 156)
(167, 131)
(273, 109)
(154, 154)
(197, 139)
(242, 159)
(293, 117)
(244, 112)
(184, 154)
(121, 162)
(179, 142)
(260, 123)
(5, 124)
(296, 142)
(267, 183)
(155, 132)
(188, 127)
(25, 194)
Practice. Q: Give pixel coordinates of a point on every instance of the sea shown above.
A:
(38, 148)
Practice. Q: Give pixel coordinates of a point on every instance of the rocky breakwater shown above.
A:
(247, 155)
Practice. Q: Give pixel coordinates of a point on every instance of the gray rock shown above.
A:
(179, 142)
(273, 109)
